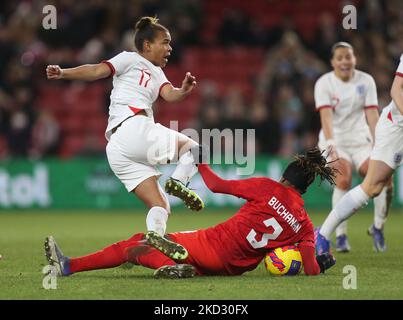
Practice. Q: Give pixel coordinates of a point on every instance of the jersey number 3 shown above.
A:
(272, 222)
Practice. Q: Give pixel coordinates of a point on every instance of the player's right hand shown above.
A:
(54, 72)
(331, 151)
(325, 261)
(188, 83)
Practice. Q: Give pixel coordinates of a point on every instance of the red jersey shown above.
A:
(273, 216)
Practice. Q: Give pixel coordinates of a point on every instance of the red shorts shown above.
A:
(201, 253)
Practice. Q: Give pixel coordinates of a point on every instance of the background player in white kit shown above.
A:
(135, 142)
(386, 156)
(347, 101)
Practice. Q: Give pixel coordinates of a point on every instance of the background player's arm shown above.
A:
(87, 72)
(397, 92)
(324, 105)
(326, 119)
(171, 94)
(372, 116)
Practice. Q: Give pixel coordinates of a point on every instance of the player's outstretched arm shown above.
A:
(171, 94)
(215, 183)
(311, 267)
(245, 188)
(87, 72)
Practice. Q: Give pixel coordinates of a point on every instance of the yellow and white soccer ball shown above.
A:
(285, 260)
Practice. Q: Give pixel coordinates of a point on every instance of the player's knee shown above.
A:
(186, 144)
(344, 184)
(375, 189)
(375, 185)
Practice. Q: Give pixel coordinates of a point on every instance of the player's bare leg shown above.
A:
(150, 192)
(177, 184)
(381, 209)
(343, 184)
(379, 184)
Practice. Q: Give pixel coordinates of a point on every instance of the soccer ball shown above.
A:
(285, 260)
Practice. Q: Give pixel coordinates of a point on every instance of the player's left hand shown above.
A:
(325, 261)
(188, 83)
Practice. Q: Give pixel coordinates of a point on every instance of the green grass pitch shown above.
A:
(379, 276)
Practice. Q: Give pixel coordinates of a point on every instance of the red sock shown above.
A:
(110, 257)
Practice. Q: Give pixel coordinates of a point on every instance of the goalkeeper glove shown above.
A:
(325, 261)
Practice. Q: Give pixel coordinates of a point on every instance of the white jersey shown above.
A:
(348, 101)
(393, 112)
(389, 133)
(137, 83)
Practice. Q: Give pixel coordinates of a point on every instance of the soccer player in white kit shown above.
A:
(386, 156)
(346, 99)
(136, 144)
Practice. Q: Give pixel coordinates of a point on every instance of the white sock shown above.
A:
(185, 169)
(345, 208)
(337, 195)
(380, 209)
(157, 219)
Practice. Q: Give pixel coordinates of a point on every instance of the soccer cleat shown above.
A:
(322, 245)
(177, 271)
(379, 239)
(56, 258)
(171, 249)
(342, 244)
(190, 198)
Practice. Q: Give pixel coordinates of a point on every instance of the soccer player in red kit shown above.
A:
(273, 216)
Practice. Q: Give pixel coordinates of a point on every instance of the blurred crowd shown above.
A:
(281, 108)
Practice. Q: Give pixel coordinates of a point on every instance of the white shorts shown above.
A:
(388, 146)
(137, 146)
(355, 155)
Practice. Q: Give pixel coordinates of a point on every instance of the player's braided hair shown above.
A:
(303, 170)
(146, 28)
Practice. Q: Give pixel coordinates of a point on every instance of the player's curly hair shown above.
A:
(146, 28)
(304, 169)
